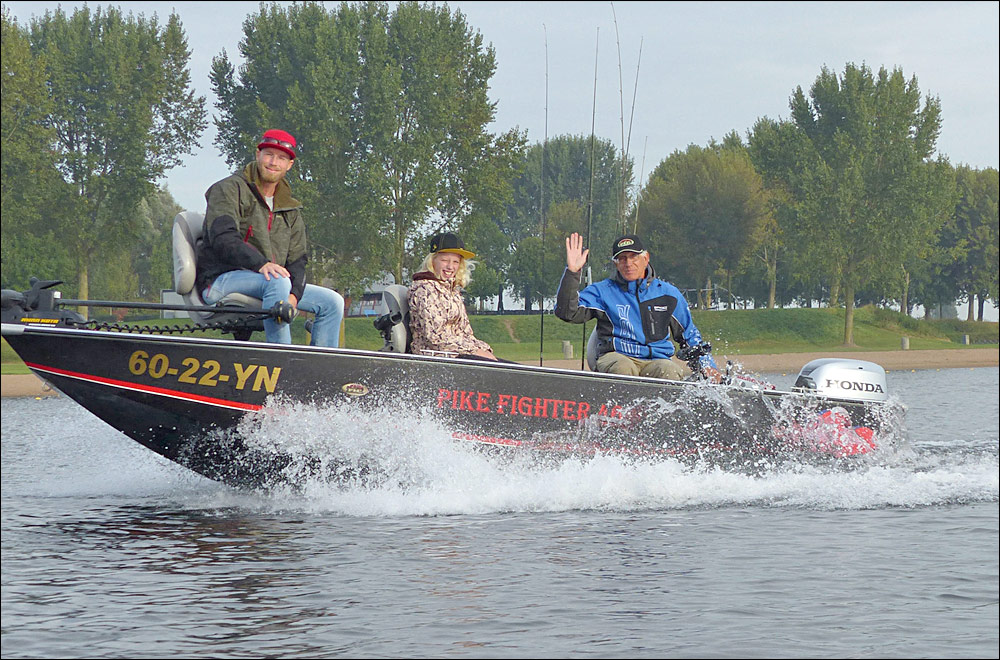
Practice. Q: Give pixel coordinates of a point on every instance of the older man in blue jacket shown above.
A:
(637, 313)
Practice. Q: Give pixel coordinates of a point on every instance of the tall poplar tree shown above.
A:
(122, 112)
(30, 186)
(579, 190)
(391, 110)
(865, 184)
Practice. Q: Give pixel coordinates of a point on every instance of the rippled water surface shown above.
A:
(110, 551)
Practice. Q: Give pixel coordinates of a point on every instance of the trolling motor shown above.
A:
(37, 306)
(42, 306)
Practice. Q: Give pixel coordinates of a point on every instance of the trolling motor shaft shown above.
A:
(42, 305)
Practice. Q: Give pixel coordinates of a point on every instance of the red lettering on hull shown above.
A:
(524, 406)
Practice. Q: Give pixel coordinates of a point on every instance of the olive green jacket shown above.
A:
(241, 232)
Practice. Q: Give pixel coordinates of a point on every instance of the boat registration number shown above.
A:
(209, 373)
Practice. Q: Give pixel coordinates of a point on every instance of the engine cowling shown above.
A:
(843, 379)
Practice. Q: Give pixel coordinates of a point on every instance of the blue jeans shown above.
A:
(326, 304)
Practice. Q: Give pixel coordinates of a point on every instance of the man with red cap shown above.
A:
(254, 243)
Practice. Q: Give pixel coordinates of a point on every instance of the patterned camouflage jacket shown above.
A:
(438, 320)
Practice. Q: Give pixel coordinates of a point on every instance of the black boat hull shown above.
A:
(186, 399)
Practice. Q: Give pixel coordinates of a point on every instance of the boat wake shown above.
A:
(402, 461)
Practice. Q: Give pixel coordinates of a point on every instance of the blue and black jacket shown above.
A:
(638, 319)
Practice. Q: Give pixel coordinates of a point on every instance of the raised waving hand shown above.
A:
(576, 256)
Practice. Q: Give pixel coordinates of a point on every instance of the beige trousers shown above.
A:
(616, 363)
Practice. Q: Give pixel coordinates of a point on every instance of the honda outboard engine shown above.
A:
(843, 379)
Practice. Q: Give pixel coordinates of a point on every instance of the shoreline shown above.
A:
(898, 360)
(30, 385)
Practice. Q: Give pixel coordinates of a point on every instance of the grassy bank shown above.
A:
(516, 337)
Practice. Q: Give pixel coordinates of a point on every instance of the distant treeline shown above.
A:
(846, 202)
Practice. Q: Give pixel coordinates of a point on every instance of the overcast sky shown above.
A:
(705, 68)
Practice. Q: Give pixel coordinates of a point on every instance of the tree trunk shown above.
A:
(982, 302)
(772, 283)
(500, 309)
(835, 293)
(729, 286)
(83, 274)
(904, 304)
(400, 249)
(972, 307)
(848, 315)
(708, 293)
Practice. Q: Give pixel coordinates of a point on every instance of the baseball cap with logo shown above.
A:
(626, 243)
(449, 242)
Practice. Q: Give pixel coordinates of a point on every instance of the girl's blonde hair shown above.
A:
(462, 277)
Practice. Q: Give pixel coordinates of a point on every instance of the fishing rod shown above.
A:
(621, 116)
(638, 196)
(589, 278)
(622, 197)
(545, 140)
(635, 90)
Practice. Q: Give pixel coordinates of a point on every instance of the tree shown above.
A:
(933, 185)
(122, 113)
(869, 137)
(573, 166)
(27, 166)
(391, 110)
(975, 226)
(528, 278)
(702, 211)
(777, 150)
(569, 176)
(483, 236)
(152, 256)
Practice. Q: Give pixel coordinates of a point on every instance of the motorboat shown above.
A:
(192, 398)
(186, 397)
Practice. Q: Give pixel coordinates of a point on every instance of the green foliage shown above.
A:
(122, 113)
(702, 211)
(978, 332)
(30, 186)
(582, 184)
(577, 169)
(865, 178)
(525, 272)
(391, 111)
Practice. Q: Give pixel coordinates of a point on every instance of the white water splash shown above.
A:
(421, 470)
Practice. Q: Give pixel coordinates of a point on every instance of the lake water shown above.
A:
(111, 552)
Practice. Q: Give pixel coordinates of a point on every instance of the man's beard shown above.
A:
(268, 176)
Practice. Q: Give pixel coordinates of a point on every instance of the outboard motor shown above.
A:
(843, 379)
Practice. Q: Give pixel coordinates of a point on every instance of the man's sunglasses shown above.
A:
(280, 143)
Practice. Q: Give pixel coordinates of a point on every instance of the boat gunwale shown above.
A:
(13, 329)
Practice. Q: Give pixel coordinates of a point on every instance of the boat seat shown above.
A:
(393, 321)
(592, 350)
(187, 231)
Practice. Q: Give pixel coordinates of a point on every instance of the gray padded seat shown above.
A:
(592, 350)
(394, 309)
(188, 226)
